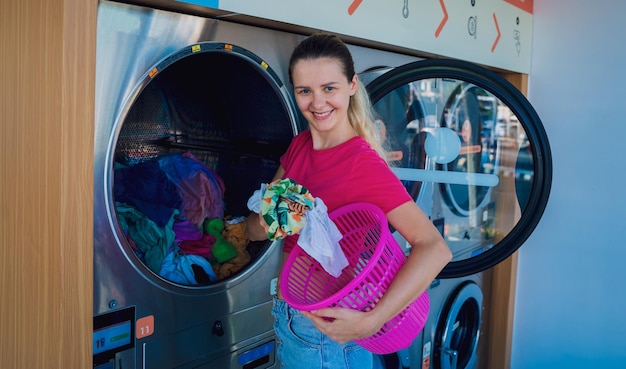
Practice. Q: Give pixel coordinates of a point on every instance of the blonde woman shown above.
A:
(340, 160)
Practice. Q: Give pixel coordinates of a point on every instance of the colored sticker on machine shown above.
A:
(144, 327)
(426, 356)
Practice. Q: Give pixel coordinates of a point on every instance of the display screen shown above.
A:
(113, 332)
(112, 337)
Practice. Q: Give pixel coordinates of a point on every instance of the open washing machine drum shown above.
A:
(205, 127)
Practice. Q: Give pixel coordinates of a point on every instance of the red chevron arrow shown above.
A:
(444, 20)
(355, 4)
(495, 20)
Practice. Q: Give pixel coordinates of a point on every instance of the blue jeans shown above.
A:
(301, 345)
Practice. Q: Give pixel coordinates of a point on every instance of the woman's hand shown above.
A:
(263, 224)
(256, 227)
(342, 324)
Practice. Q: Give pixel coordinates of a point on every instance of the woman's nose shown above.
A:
(318, 100)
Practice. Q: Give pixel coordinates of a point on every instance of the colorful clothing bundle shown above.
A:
(153, 241)
(289, 209)
(201, 190)
(171, 210)
(146, 187)
(283, 207)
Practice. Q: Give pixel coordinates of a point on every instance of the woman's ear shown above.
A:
(353, 84)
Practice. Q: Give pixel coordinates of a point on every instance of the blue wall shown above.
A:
(571, 295)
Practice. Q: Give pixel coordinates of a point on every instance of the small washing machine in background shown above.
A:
(454, 334)
(189, 120)
(463, 140)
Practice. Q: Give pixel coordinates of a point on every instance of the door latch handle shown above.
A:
(453, 356)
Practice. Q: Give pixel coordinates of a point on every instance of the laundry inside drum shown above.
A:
(196, 143)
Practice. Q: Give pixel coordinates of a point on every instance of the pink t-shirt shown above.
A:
(350, 172)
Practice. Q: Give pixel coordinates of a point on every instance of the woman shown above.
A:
(340, 159)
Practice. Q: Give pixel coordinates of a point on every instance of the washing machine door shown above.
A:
(471, 151)
(204, 127)
(458, 329)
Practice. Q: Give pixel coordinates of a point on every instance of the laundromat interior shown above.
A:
(93, 89)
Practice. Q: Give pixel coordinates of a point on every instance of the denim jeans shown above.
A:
(301, 345)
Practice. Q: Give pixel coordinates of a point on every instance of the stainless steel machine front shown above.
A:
(189, 98)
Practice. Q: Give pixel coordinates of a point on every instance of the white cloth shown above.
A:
(320, 239)
(254, 202)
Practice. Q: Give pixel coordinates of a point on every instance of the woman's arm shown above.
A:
(428, 256)
(255, 225)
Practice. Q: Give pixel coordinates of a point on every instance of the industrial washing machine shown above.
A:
(189, 122)
(472, 152)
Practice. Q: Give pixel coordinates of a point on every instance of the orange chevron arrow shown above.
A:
(355, 4)
(444, 20)
(495, 20)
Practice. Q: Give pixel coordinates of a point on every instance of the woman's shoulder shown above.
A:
(361, 147)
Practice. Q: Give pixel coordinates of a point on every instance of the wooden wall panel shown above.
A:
(46, 182)
(503, 286)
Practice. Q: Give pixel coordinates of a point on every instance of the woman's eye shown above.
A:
(329, 88)
(303, 91)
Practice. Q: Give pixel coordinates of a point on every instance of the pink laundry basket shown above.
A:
(374, 258)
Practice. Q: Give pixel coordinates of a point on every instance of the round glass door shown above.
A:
(472, 152)
(186, 157)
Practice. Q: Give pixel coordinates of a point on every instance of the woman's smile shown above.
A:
(322, 115)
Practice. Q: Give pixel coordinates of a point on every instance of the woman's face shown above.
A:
(322, 92)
